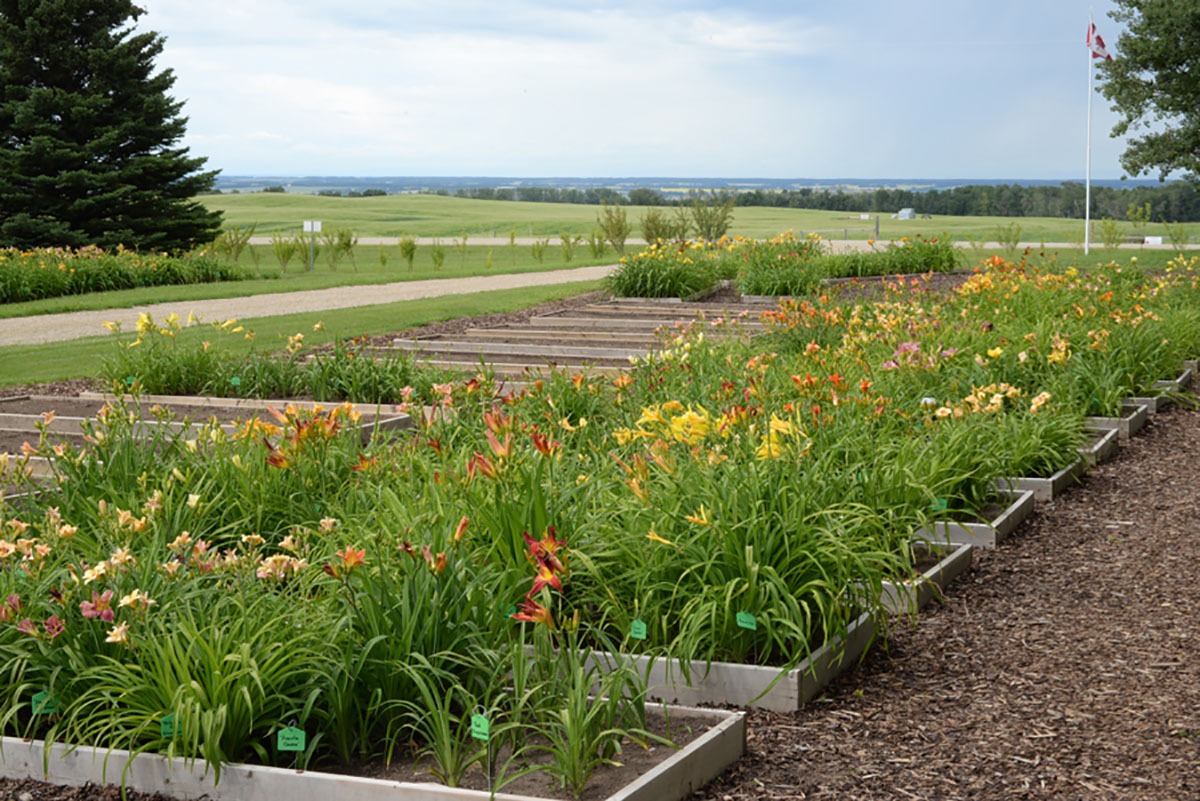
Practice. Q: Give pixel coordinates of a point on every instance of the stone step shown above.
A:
(519, 351)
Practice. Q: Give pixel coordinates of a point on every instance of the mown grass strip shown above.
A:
(297, 279)
(25, 364)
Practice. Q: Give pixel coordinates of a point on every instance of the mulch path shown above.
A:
(1064, 665)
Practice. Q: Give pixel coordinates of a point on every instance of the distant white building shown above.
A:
(905, 214)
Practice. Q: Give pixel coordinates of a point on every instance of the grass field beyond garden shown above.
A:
(433, 215)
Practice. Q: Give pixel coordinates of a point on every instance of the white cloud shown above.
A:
(466, 86)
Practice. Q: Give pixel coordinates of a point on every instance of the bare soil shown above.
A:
(607, 779)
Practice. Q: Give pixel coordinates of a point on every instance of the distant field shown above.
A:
(432, 215)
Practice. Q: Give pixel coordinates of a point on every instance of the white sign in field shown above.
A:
(312, 226)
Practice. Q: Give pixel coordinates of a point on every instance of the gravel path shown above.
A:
(1065, 665)
(72, 325)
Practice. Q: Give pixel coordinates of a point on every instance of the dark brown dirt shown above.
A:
(1064, 665)
(875, 287)
(69, 387)
(29, 790)
(607, 780)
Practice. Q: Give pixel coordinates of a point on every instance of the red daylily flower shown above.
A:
(54, 626)
(545, 576)
(533, 612)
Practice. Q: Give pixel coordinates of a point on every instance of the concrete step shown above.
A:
(618, 339)
(522, 372)
(519, 351)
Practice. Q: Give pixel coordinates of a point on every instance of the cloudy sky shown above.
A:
(854, 88)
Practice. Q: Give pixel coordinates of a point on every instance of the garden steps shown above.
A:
(578, 321)
(532, 353)
(632, 313)
(523, 371)
(550, 335)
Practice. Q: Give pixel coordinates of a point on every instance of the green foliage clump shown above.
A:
(779, 266)
(53, 272)
(666, 271)
(160, 363)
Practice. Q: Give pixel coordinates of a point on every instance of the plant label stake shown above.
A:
(481, 729)
(749, 622)
(44, 703)
(129, 381)
(291, 739)
(236, 381)
(939, 505)
(166, 726)
(637, 630)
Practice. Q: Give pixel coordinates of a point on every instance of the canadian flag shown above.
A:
(1096, 44)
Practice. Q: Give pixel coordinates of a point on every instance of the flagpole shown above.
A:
(1087, 192)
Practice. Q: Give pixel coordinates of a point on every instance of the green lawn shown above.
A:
(367, 270)
(433, 215)
(22, 364)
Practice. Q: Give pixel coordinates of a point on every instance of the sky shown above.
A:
(852, 88)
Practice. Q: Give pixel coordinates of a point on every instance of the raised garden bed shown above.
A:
(1101, 446)
(758, 686)
(1046, 489)
(674, 777)
(1001, 522)
(384, 416)
(1132, 420)
(906, 597)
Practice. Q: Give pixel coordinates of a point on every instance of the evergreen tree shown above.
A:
(88, 134)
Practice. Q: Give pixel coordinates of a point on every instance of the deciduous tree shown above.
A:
(1153, 81)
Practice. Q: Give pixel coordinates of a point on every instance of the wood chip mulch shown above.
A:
(1064, 665)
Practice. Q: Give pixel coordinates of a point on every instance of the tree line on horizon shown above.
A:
(1172, 202)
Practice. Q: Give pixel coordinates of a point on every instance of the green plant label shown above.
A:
(637, 630)
(236, 381)
(166, 726)
(481, 729)
(509, 611)
(44, 703)
(747, 621)
(129, 381)
(290, 739)
(939, 505)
